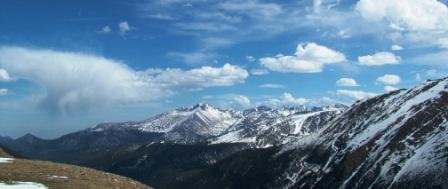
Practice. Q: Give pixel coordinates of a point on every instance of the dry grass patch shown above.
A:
(62, 176)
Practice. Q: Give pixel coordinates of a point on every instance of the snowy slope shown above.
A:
(275, 127)
(390, 141)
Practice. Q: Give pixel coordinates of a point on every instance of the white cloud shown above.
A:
(389, 79)
(3, 92)
(124, 27)
(286, 100)
(194, 58)
(378, 59)
(160, 17)
(308, 58)
(4, 76)
(250, 58)
(413, 15)
(389, 88)
(205, 76)
(242, 101)
(355, 94)
(271, 86)
(346, 82)
(396, 48)
(259, 71)
(76, 81)
(106, 29)
(229, 100)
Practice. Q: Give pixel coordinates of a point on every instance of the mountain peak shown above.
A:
(202, 106)
(199, 106)
(28, 138)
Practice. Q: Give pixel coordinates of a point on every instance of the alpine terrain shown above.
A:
(394, 140)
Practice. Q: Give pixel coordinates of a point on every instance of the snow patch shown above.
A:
(6, 160)
(22, 185)
(57, 177)
(234, 137)
(299, 121)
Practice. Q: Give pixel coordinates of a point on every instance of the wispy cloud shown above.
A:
(356, 94)
(259, 71)
(286, 99)
(271, 86)
(105, 29)
(233, 21)
(194, 58)
(434, 59)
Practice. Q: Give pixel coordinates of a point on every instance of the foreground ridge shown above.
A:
(43, 174)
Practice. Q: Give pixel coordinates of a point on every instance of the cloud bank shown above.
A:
(77, 81)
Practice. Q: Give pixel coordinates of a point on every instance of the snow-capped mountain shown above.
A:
(200, 124)
(189, 125)
(262, 126)
(209, 121)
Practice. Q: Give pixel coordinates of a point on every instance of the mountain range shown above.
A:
(394, 140)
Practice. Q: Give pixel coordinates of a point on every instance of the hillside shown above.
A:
(56, 175)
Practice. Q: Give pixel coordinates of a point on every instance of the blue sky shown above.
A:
(69, 65)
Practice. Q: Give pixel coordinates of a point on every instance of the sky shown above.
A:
(69, 65)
